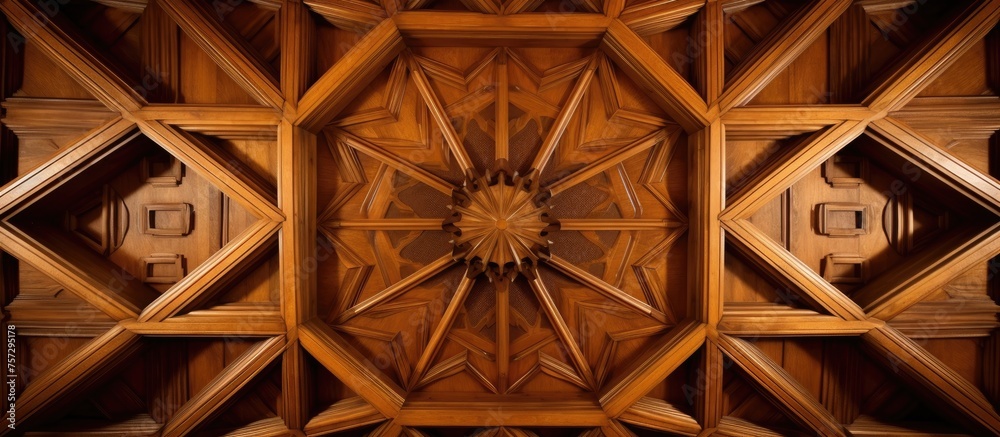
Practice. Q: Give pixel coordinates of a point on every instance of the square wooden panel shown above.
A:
(845, 171)
(843, 219)
(162, 268)
(166, 219)
(162, 170)
(845, 269)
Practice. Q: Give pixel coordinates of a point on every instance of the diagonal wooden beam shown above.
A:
(441, 330)
(926, 273)
(341, 83)
(649, 370)
(482, 6)
(198, 285)
(75, 375)
(612, 292)
(666, 87)
(350, 367)
(345, 414)
(226, 172)
(943, 384)
(939, 50)
(566, 113)
(434, 106)
(563, 331)
(658, 16)
(354, 15)
(394, 290)
(707, 150)
(200, 22)
(657, 414)
(779, 49)
(68, 53)
(392, 159)
(778, 385)
(610, 160)
(770, 256)
(786, 169)
(224, 387)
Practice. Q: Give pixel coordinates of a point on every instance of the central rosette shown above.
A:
(500, 223)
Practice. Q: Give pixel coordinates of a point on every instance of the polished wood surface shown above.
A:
(501, 217)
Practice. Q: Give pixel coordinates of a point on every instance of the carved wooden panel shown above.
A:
(501, 217)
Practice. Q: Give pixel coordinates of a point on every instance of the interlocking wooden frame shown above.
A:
(150, 211)
(861, 215)
(149, 263)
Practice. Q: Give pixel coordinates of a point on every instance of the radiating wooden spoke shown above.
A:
(559, 324)
(433, 346)
(609, 160)
(562, 121)
(606, 289)
(398, 288)
(437, 111)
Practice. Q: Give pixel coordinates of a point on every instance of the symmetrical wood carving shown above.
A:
(393, 217)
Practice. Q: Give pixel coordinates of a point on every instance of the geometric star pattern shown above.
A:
(623, 118)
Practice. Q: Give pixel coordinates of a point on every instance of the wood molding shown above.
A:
(351, 368)
(643, 374)
(778, 385)
(710, 66)
(230, 52)
(160, 52)
(778, 50)
(667, 88)
(234, 319)
(335, 88)
(849, 53)
(47, 118)
(952, 318)
(926, 61)
(224, 387)
(957, 118)
(746, 319)
(297, 199)
(904, 355)
(763, 123)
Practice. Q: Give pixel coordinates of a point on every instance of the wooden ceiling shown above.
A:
(516, 217)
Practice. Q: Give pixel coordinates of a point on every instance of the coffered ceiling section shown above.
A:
(502, 217)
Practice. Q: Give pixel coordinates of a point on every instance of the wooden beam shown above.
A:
(224, 387)
(160, 54)
(68, 53)
(506, 410)
(201, 118)
(297, 200)
(667, 136)
(235, 319)
(656, 414)
(531, 30)
(658, 16)
(297, 48)
(341, 83)
(563, 331)
(925, 62)
(666, 87)
(959, 317)
(849, 53)
(502, 119)
(440, 116)
(708, 387)
(574, 224)
(957, 118)
(401, 224)
(416, 278)
(644, 373)
(227, 173)
(35, 316)
(924, 274)
(943, 384)
(770, 256)
(296, 388)
(351, 368)
(344, 415)
(231, 53)
(614, 293)
(772, 55)
(74, 376)
(783, 171)
(53, 119)
(616, 428)
(768, 319)
(710, 64)
(778, 385)
(433, 346)
(224, 265)
(354, 15)
(562, 121)
(755, 123)
(392, 159)
(707, 156)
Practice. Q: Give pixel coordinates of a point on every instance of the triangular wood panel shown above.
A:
(501, 217)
